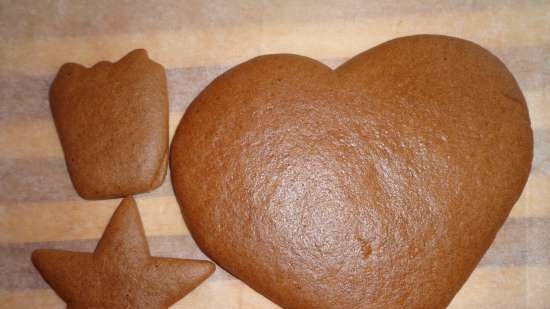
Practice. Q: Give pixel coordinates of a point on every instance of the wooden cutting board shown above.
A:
(196, 41)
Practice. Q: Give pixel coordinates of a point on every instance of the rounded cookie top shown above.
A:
(376, 185)
(112, 121)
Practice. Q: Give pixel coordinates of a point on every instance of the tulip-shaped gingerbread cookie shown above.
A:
(120, 274)
(112, 121)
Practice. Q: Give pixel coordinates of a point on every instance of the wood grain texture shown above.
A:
(196, 41)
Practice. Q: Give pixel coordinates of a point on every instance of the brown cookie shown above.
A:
(376, 185)
(121, 273)
(112, 120)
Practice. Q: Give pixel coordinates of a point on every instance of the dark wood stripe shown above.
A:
(26, 97)
(521, 242)
(47, 179)
(529, 64)
(107, 17)
(185, 84)
(541, 157)
(18, 273)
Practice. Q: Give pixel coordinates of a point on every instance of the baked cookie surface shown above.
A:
(120, 273)
(379, 184)
(112, 120)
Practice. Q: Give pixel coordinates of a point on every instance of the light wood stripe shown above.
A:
(503, 288)
(37, 138)
(250, 299)
(531, 205)
(40, 222)
(535, 199)
(28, 139)
(230, 44)
(210, 295)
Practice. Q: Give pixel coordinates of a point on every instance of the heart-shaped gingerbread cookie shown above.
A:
(376, 185)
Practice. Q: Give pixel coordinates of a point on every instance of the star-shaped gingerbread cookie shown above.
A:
(120, 273)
